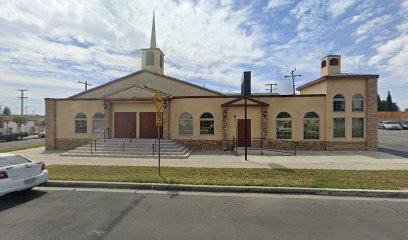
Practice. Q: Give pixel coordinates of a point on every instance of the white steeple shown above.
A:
(153, 57)
(153, 36)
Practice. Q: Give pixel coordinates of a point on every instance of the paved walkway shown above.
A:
(354, 160)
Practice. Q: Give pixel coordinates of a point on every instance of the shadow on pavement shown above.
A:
(394, 152)
(11, 200)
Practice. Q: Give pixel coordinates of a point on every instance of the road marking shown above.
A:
(213, 194)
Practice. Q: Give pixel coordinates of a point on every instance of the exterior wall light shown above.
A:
(105, 106)
(224, 113)
(165, 105)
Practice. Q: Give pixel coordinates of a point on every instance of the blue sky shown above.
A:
(48, 46)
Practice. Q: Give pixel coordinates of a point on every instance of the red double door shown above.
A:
(125, 125)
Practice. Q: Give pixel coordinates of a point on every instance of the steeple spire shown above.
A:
(153, 37)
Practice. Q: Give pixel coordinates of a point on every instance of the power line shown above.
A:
(86, 84)
(22, 99)
(270, 89)
(293, 79)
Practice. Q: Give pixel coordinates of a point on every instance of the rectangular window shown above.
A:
(206, 127)
(311, 129)
(339, 106)
(339, 127)
(358, 128)
(80, 126)
(284, 129)
(98, 125)
(186, 126)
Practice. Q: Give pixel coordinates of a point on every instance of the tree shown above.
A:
(380, 104)
(387, 105)
(6, 111)
(19, 120)
(406, 109)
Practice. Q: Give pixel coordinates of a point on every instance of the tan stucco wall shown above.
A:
(136, 107)
(318, 88)
(152, 81)
(297, 107)
(346, 87)
(65, 117)
(196, 106)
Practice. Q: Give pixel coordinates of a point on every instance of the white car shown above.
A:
(18, 173)
(389, 125)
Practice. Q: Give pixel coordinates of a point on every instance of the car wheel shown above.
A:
(384, 128)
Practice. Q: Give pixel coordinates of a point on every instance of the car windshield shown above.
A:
(389, 122)
(12, 160)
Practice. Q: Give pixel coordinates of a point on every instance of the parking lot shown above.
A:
(393, 141)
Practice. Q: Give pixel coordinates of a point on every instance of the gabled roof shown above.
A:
(338, 76)
(138, 73)
(257, 102)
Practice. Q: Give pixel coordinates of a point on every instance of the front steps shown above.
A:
(130, 148)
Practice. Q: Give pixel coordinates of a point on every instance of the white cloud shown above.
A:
(274, 5)
(338, 8)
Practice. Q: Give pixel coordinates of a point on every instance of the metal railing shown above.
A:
(291, 146)
(93, 143)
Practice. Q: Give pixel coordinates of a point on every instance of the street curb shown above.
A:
(232, 189)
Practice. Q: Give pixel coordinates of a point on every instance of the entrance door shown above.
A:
(241, 132)
(147, 126)
(125, 125)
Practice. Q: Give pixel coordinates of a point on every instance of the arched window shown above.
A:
(283, 126)
(80, 123)
(357, 103)
(149, 58)
(186, 124)
(339, 103)
(207, 123)
(311, 126)
(98, 123)
(334, 62)
(323, 63)
(161, 61)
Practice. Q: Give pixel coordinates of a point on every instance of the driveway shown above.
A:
(31, 140)
(393, 141)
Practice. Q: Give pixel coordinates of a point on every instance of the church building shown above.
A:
(337, 111)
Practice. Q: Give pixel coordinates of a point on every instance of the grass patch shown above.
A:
(12, 149)
(314, 178)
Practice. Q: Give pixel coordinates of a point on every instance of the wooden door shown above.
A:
(125, 125)
(241, 132)
(147, 125)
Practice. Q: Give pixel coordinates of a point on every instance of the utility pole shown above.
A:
(22, 99)
(86, 84)
(270, 89)
(293, 79)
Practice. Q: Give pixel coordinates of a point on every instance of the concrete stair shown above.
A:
(133, 148)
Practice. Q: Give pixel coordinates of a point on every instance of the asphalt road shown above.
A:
(393, 141)
(23, 142)
(53, 214)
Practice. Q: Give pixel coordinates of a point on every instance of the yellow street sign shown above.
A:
(159, 119)
(158, 100)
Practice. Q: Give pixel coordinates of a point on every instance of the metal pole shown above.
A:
(158, 133)
(245, 126)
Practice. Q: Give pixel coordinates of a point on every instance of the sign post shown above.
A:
(158, 101)
(245, 92)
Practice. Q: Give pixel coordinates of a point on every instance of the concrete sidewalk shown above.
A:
(350, 160)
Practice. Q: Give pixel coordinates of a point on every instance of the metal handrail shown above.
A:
(93, 142)
(295, 145)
